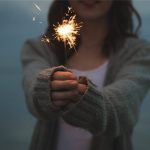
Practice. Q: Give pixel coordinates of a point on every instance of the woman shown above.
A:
(89, 100)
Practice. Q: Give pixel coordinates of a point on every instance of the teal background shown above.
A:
(16, 25)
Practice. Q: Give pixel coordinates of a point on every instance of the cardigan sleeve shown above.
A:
(114, 109)
(38, 68)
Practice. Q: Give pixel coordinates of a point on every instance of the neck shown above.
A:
(93, 33)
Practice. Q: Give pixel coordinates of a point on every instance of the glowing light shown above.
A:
(68, 30)
(45, 39)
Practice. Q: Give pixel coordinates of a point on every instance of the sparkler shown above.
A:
(68, 30)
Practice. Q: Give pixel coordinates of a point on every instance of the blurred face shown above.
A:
(91, 9)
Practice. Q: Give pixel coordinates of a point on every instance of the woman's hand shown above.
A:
(65, 88)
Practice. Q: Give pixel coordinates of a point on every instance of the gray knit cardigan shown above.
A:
(110, 114)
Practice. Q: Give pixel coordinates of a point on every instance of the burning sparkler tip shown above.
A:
(67, 30)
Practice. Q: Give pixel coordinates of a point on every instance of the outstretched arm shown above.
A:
(115, 109)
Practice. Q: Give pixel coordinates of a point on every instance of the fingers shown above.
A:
(64, 75)
(67, 104)
(60, 103)
(65, 95)
(65, 88)
(82, 88)
(63, 80)
(64, 85)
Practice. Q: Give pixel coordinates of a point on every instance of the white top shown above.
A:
(75, 138)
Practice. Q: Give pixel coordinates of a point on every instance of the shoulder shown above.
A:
(38, 49)
(133, 46)
(134, 51)
(36, 43)
(136, 44)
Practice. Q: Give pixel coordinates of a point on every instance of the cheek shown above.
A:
(105, 7)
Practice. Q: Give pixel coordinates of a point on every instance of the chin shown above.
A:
(91, 9)
(91, 16)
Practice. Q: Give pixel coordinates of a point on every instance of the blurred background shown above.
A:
(17, 25)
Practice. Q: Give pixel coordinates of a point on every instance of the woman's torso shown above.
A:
(74, 138)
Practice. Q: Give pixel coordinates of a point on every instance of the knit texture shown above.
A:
(113, 111)
(42, 91)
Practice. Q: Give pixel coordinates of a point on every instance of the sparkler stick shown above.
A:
(66, 31)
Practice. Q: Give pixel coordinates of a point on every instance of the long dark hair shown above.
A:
(121, 17)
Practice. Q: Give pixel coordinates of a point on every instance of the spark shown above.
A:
(45, 39)
(37, 6)
(37, 14)
(67, 30)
